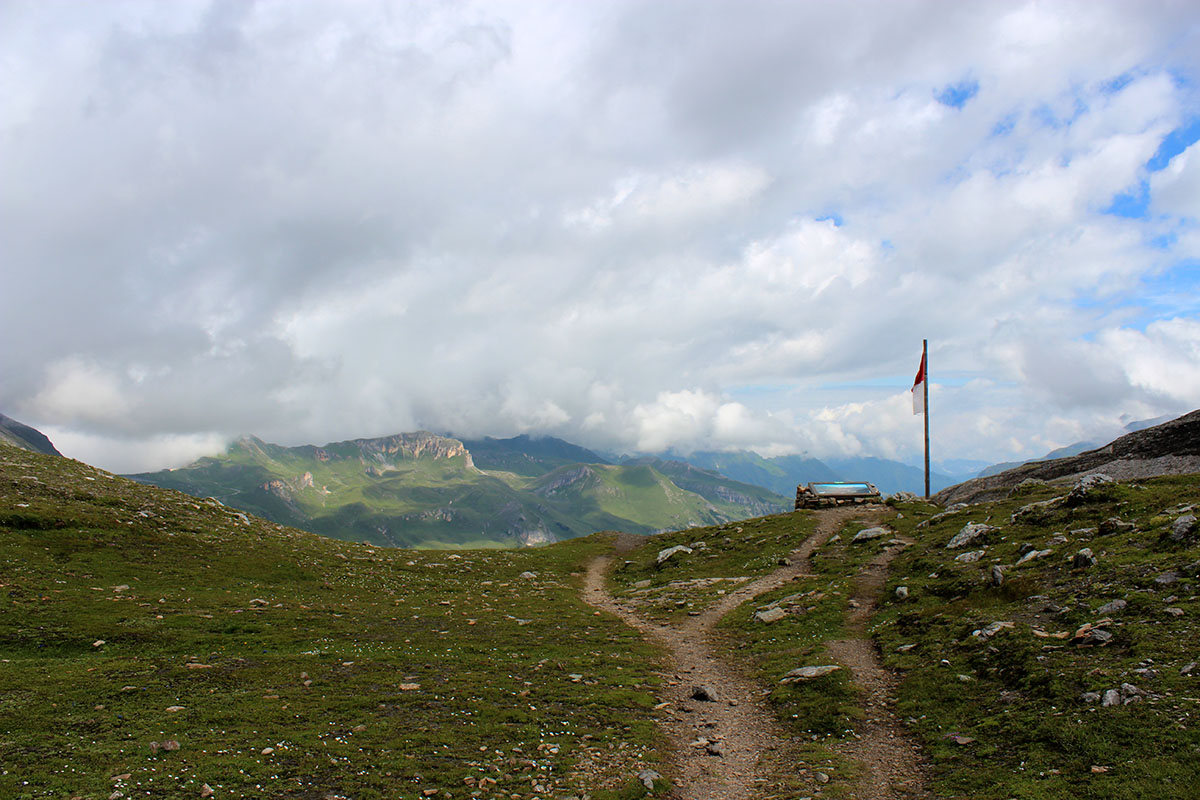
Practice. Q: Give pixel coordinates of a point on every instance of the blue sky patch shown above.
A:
(1131, 203)
(1175, 143)
(956, 95)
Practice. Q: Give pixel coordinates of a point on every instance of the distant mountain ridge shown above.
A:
(1171, 448)
(423, 489)
(25, 437)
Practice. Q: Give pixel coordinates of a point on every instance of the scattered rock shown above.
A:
(1033, 554)
(173, 709)
(902, 497)
(1174, 612)
(1111, 698)
(1188, 668)
(648, 777)
(904, 648)
(1091, 636)
(1111, 607)
(867, 534)
(1090, 697)
(1167, 578)
(98, 643)
(970, 533)
(1084, 559)
(1113, 525)
(959, 739)
(266, 751)
(770, 615)
(715, 749)
(1086, 486)
(809, 673)
(971, 556)
(997, 575)
(206, 791)
(989, 631)
(901, 592)
(821, 777)
(1183, 527)
(527, 575)
(704, 693)
(666, 555)
(1036, 512)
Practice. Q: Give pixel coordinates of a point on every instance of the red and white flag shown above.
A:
(918, 390)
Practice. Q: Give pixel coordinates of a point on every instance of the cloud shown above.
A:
(634, 225)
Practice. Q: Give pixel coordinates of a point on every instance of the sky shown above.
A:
(638, 226)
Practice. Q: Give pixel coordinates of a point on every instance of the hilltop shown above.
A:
(1169, 448)
(425, 490)
(21, 435)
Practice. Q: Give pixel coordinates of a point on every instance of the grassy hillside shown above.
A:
(153, 644)
(422, 490)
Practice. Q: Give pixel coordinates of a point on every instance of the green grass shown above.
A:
(310, 646)
(1019, 694)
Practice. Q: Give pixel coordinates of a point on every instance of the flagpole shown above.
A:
(925, 384)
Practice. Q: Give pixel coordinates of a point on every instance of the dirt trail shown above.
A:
(750, 748)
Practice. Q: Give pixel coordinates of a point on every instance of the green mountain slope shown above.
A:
(419, 489)
(21, 435)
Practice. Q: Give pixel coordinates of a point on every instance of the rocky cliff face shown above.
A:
(421, 444)
(1172, 448)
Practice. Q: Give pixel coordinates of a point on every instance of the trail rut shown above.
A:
(733, 748)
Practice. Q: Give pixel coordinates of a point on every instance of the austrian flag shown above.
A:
(918, 390)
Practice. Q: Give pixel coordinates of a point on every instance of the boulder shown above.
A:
(971, 556)
(969, 533)
(901, 592)
(868, 534)
(705, 694)
(770, 615)
(1183, 527)
(1113, 525)
(1084, 559)
(666, 555)
(997, 575)
(1033, 554)
(1111, 608)
(802, 674)
(1086, 486)
(1036, 512)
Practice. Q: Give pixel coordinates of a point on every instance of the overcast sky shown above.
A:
(633, 225)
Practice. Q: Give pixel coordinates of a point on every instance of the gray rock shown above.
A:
(1035, 512)
(809, 673)
(528, 575)
(1111, 608)
(1033, 554)
(901, 592)
(971, 556)
(715, 749)
(1085, 486)
(1175, 611)
(1084, 559)
(1112, 697)
(770, 615)
(1183, 527)
(1113, 525)
(969, 533)
(1188, 669)
(1090, 697)
(705, 694)
(648, 777)
(868, 534)
(991, 630)
(1167, 578)
(1087, 636)
(903, 497)
(997, 576)
(666, 555)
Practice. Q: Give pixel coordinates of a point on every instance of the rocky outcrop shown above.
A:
(1172, 448)
(421, 444)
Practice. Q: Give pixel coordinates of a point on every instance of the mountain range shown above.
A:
(425, 490)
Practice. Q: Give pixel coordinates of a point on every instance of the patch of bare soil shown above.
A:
(731, 747)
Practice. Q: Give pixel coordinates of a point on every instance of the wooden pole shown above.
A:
(925, 363)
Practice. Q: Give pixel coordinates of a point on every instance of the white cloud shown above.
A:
(635, 225)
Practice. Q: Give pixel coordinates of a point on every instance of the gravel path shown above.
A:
(732, 748)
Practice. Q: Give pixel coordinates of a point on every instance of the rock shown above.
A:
(867, 534)
(206, 791)
(266, 751)
(821, 777)
(1057, 539)
(1111, 698)
(1086, 486)
(1128, 691)
(970, 533)
(785, 562)
(1033, 554)
(174, 709)
(770, 615)
(1111, 608)
(997, 576)
(98, 643)
(837, 537)
(959, 739)
(1183, 527)
(989, 631)
(902, 497)
(809, 673)
(666, 555)
(715, 749)
(1036, 512)
(705, 694)
(904, 648)
(1090, 697)
(528, 575)
(901, 592)
(1113, 525)
(648, 777)
(1167, 578)
(1188, 668)
(1091, 636)
(1084, 559)
(971, 556)
(1174, 612)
